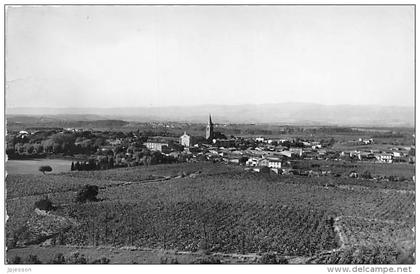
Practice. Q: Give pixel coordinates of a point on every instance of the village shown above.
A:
(255, 153)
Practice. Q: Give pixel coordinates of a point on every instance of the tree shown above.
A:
(29, 148)
(44, 169)
(243, 160)
(87, 193)
(146, 160)
(44, 204)
(111, 162)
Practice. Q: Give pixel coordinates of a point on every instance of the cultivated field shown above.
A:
(212, 209)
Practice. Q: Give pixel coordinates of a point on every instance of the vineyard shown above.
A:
(401, 173)
(212, 226)
(140, 173)
(367, 232)
(29, 185)
(220, 209)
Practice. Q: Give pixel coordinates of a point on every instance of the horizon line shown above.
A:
(201, 105)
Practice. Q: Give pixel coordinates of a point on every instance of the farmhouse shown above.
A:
(252, 161)
(156, 146)
(366, 141)
(384, 157)
(396, 154)
(274, 163)
(259, 139)
(22, 134)
(296, 151)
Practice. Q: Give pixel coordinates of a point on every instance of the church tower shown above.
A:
(209, 129)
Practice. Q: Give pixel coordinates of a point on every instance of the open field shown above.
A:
(31, 166)
(215, 209)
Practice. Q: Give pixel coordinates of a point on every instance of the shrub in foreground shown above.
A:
(44, 204)
(16, 260)
(58, 259)
(103, 260)
(87, 193)
(33, 259)
(77, 258)
(272, 259)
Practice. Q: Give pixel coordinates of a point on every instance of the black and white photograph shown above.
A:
(210, 134)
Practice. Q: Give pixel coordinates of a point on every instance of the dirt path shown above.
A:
(339, 230)
(128, 255)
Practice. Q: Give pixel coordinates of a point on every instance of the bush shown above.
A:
(16, 260)
(44, 204)
(33, 259)
(103, 260)
(87, 193)
(273, 259)
(282, 260)
(166, 260)
(58, 259)
(268, 259)
(44, 169)
(76, 258)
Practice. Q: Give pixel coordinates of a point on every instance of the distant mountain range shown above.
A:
(282, 113)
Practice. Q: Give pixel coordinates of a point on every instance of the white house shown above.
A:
(259, 139)
(185, 140)
(396, 154)
(252, 162)
(23, 134)
(317, 146)
(274, 163)
(296, 151)
(384, 157)
(155, 145)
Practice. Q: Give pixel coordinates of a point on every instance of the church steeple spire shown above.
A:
(209, 129)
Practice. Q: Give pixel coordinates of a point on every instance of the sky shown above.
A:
(133, 56)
